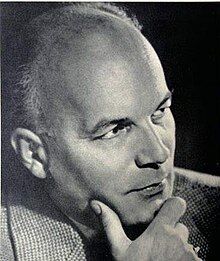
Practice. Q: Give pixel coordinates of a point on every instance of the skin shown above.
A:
(110, 76)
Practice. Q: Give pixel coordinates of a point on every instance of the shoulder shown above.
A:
(6, 252)
(197, 178)
(197, 188)
(35, 229)
(200, 190)
(201, 193)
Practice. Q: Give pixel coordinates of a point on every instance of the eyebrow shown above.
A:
(104, 123)
(166, 98)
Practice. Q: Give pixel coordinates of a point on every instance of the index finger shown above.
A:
(171, 212)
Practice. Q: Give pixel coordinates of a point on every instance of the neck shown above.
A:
(88, 232)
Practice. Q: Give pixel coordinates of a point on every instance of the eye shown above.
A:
(160, 113)
(118, 130)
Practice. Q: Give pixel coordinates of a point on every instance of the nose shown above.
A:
(152, 152)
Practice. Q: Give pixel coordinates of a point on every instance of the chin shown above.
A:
(145, 211)
(145, 214)
(138, 222)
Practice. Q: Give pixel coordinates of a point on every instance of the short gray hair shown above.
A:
(30, 109)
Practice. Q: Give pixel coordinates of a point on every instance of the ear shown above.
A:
(30, 150)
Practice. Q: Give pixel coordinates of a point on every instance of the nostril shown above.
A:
(151, 165)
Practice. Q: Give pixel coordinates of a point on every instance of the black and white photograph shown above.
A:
(110, 135)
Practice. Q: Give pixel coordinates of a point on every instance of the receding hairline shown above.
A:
(74, 19)
(61, 18)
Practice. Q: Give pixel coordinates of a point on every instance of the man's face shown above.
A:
(117, 138)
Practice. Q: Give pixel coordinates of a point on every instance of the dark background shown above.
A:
(186, 38)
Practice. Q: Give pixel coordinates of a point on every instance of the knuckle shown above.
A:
(168, 230)
(179, 240)
(172, 234)
(181, 227)
(185, 227)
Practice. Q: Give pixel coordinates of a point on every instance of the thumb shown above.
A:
(117, 238)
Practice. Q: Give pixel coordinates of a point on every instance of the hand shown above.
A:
(164, 239)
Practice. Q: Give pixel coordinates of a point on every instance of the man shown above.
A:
(99, 139)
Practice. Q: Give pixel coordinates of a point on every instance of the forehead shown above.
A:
(111, 72)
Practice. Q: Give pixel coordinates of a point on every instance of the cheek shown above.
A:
(169, 131)
(96, 165)
(105, 158)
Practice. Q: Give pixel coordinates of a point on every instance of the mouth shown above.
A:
(150, 190)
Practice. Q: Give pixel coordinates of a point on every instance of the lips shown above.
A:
(150, 190)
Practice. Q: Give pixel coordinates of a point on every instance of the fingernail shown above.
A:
(96, 208)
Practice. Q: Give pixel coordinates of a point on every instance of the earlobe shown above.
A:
(30, 150)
